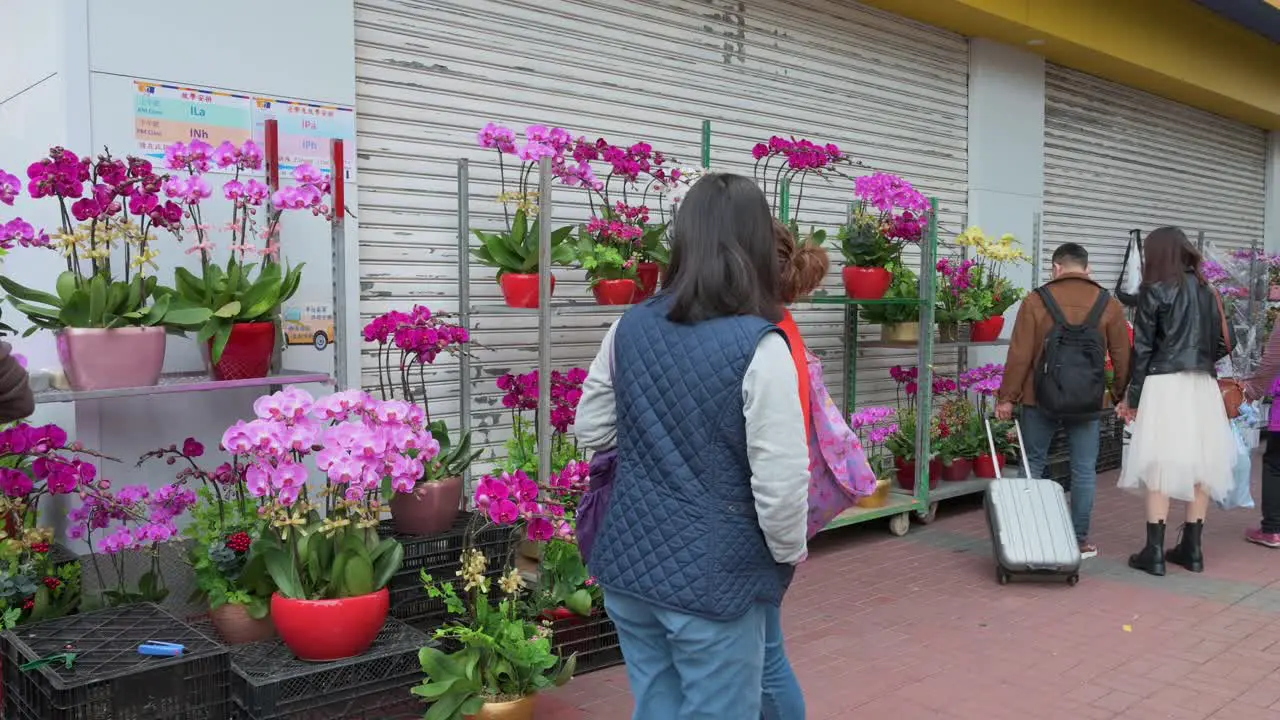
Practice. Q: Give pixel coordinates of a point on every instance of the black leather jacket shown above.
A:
(1177, 328)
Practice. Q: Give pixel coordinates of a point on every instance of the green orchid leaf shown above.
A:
(26, 294)
(65, 285)
(228, 311)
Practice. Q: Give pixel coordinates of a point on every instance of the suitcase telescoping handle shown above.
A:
(991, 442)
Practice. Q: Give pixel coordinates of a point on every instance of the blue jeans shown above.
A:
(1082, 443)
(683, 667)
(783, 699)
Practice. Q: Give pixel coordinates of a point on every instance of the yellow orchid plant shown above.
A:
(993, 257)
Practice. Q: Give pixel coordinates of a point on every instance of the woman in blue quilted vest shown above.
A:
(697, 389)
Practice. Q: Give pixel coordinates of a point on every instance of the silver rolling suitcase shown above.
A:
(1031, 529)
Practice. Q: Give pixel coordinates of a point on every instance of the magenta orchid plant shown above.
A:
(781, 161)
(421, 336)
(887, 214)
(231, 293)
(520, 396)
(367, 449)
(109, 209)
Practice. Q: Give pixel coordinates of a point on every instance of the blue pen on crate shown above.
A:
(161, 649)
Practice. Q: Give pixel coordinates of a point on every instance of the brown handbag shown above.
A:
(1231, 389)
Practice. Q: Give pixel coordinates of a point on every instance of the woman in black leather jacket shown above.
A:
(1181, 446)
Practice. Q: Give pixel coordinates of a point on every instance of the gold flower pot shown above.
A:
(908, 332)
(878, 498)
(521, 709)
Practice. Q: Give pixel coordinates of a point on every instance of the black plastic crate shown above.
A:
(110, 678)
(594, 639)
(269, 683)
(441, 556)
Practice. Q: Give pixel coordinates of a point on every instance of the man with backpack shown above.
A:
(1056, 371)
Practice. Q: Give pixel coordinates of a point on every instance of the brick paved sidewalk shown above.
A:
(917, 628)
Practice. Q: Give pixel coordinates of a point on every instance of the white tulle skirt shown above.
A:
(1180, 439)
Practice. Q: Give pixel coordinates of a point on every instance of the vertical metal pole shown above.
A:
(464, 308)
(544, 320)
(338, 238)
(850, 369)
(1200, 241)
(706, 144)
(271, 161)
(924, 359)
(784, 202)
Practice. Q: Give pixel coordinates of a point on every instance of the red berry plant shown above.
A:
(225, 524)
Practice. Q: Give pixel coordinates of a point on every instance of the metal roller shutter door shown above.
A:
(1118, 158)
(431, 73)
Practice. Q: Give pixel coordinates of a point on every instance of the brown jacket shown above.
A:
(16, 400)
(1076, 293)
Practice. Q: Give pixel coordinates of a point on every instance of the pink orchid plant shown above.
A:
(365, 449)
(421, 336)
(231, 293)
(781, 161)
(887, 214)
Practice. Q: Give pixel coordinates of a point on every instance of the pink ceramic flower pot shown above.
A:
(97, 359)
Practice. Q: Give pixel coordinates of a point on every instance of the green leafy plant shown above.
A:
(227, 570)
(515, 250)
(905, 287)
(96, 302)
(231, 295)
(603, 260)
(318, 562)
(653, 245)
(503, 655)
(564, 581)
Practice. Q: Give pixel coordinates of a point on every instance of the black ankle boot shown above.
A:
(1151, 559)
(1188, 552)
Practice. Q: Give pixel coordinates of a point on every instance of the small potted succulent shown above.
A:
(406, 344)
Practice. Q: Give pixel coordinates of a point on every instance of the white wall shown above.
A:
(284, 48)
(1006, 152)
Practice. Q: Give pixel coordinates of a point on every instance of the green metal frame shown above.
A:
(899, 503)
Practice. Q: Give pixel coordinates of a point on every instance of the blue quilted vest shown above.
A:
(681, 530)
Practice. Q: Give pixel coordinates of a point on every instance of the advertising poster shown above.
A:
(165, 114)
(305, 131)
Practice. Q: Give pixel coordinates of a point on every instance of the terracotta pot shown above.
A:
(906, 474)
(948, 332)
(908, 332)
(520, 290)
(987, 330)
(615, 292)
(327, 630)
(984, 466)
(878, 498)
(866, 283)
(97, 359)
(430, 509)
(235, 627)
(521, 709)
(1273, 293)
(648, 273)
(957, 470)
(248, 352)
(531, 550)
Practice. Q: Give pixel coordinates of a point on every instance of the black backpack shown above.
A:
(1071, 380)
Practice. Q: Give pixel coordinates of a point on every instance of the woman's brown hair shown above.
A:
(803, 266)
(1167, 254)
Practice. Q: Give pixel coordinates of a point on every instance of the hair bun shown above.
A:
(811, 264)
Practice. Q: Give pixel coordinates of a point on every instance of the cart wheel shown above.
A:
(1002, 577)
(900, 524)
(1072, 580)
(926, 518)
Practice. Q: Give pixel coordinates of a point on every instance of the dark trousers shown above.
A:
(1271, 484)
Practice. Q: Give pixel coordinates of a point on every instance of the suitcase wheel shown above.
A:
(1002, 577)
(1073, 579)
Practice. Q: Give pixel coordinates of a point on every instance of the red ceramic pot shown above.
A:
(328, 630)
(615, 292)
(906, 472)
(958, 470)
(987, 330)
(648, 273)
(863, 283)
(248, 352)
(984, 466)
(520, 290)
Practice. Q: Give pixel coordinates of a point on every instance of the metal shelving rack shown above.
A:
(899, 506)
